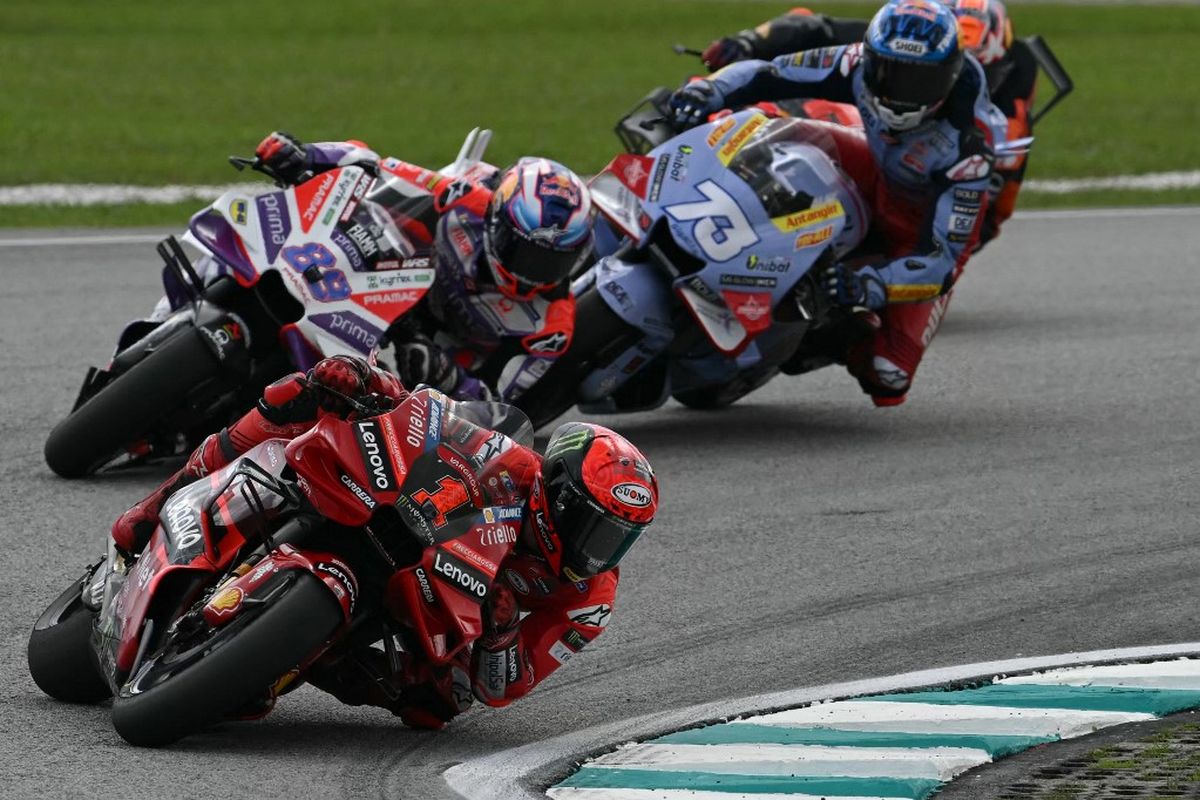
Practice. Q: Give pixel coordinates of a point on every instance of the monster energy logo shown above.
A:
(570, 441)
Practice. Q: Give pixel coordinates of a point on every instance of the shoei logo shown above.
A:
(908, 46)
(632, 494)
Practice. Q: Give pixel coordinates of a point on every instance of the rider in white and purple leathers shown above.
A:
(505, 244)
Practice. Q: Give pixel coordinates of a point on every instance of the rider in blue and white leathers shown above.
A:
(930, 127)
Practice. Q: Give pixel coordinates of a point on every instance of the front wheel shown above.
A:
(129, 406)
(61, 659)
(195, 680)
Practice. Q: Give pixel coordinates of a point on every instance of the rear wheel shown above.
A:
(130, 405)
(61, 659)
(195, 680)
(598, 332)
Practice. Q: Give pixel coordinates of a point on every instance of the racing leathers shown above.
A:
(466, 338)
(512, 656)
(928, 187)
(1011, 81)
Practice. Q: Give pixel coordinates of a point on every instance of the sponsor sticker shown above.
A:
(748, 280)
(914, 291)
(350, 328)
(517, 581)
(718, 133)
(773, 264)
(595, 616)
(376, 459)
(225, 602)
(739, 138)
(460, 575)
(632, 494)
(237, 212)
(969, 169)
(823, 212)
(273, 221)
(819, 236)
(660, 174)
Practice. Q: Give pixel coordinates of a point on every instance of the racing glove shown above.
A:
(285, 155)
(420, 361)
(692, 104)
(343, 376)
(848, 287)
(723, 52)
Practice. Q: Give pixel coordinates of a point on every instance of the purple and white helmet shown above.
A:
(538, 227)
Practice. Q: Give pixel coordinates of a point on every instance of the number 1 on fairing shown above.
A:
(722, 230)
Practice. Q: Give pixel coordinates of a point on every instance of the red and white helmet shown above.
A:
(600, 494)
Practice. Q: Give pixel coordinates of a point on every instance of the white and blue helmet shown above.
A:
(538, 227)
(911, 59)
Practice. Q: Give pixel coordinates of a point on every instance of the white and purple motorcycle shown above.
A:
(278, 279)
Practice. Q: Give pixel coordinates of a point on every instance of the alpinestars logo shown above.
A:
(595, 616)
(549, 344)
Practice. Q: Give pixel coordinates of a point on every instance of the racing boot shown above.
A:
(132, 530)
(880, 376)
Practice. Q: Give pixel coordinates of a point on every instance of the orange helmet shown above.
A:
(985, 31)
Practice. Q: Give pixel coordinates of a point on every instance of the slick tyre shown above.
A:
(598, 331)
(61, 659)
(130, 405)
(181, 689)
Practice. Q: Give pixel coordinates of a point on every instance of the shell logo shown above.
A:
(226, 601)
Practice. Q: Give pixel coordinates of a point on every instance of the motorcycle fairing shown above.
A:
(204, 525)
(749, 244)
(638, 296)
(337, 246)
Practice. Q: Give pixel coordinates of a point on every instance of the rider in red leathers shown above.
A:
(589, 499)
(506, 245)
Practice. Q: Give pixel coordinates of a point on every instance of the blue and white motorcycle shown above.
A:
(713, 289)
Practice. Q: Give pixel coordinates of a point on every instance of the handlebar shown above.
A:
(258, 165)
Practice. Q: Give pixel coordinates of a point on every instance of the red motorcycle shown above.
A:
(385, 529)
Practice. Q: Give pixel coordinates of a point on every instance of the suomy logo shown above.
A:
(632, 494)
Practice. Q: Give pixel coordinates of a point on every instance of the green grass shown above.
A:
(132, 91)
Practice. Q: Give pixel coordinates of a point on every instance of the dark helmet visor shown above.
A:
(906, 86)
(593, 541)
(531, 264)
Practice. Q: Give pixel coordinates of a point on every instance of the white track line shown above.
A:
(884, 715)
(1176, 676)
(501, 775)
(1156, 181)
(110, 194)
(103, 194)
(931, 763)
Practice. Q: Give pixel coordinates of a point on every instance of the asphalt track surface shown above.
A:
(1037, 494)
